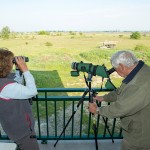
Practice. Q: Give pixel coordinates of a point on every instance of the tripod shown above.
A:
(91, 93)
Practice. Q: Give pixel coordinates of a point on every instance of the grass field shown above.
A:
(51, 55)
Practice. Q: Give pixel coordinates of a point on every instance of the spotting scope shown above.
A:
(90, 68)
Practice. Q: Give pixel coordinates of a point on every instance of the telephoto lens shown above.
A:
(26, 59)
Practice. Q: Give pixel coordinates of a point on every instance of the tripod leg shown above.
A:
(95, 134)
(94, 118)
(65, 128)
(107, 127)
(80, 102)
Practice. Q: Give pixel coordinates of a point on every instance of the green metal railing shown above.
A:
(53, 107)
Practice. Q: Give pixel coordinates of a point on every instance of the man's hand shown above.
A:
(92, 108)
(98, 98)
(21, 64)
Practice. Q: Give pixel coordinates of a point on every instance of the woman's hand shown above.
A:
(21, 64)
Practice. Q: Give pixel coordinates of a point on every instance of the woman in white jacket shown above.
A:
(16, 115)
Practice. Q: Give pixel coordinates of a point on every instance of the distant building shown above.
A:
(108, 44)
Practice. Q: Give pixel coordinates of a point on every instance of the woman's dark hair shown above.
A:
(6, 65)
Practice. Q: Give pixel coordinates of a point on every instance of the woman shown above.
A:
(16, 115)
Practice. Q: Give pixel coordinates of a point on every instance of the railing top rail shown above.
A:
(71, 89)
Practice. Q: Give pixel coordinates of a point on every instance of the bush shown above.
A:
(81, 33)
(135, 35)
(120, 36)
(59, 34)
(5, 32)
(48, 44)
(72, 33)
(43, 32)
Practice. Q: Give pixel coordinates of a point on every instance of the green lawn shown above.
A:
(51, 56)
(51, 65)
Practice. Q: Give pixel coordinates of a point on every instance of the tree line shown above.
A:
(5, 33)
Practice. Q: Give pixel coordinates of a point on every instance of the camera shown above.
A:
(26, 59)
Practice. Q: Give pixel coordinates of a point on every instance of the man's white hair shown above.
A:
(123, 57)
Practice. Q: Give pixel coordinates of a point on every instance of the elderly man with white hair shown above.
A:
(130, 102)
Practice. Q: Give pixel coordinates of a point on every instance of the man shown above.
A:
(15, 110)
(130, 102)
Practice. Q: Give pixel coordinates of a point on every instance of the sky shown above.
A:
(75, 15)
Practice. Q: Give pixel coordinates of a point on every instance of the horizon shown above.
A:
(114, 31)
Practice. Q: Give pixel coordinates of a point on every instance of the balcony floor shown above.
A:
(70, 145)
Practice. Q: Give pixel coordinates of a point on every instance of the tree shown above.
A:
(135, 35)
(5, 32)
(43, 32)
